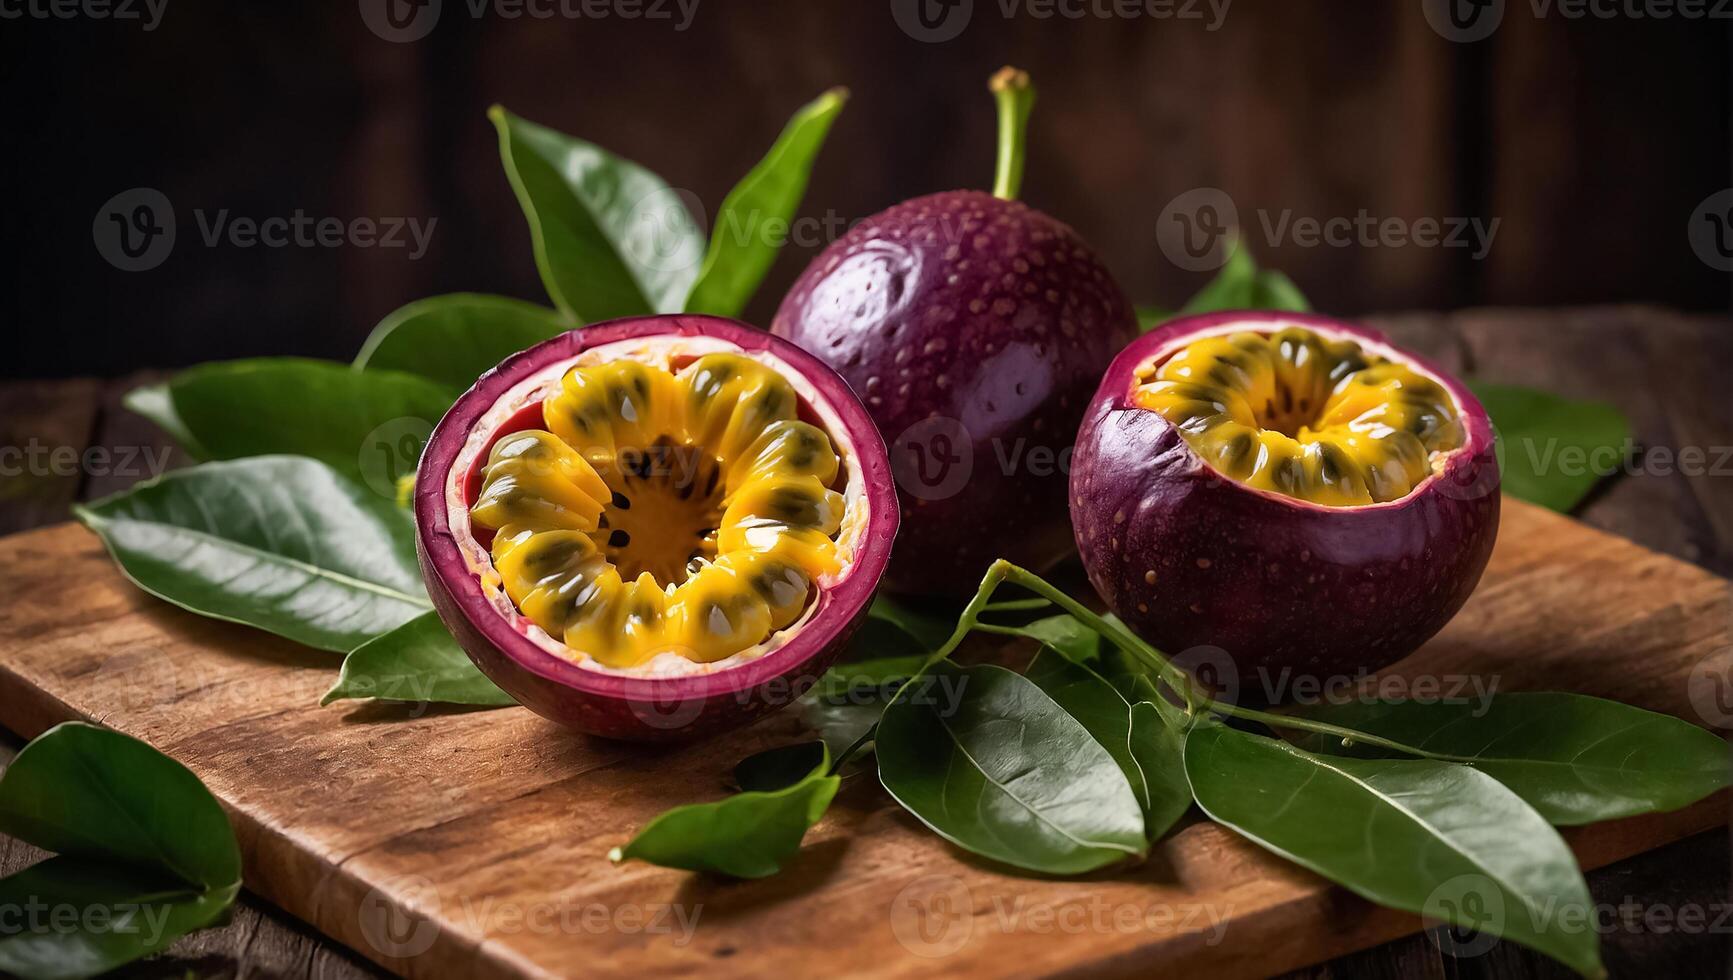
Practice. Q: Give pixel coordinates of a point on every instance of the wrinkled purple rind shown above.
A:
(642, 709)
(1192, 560)
(975, 329)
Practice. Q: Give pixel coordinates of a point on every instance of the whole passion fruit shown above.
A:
(975, 329)
(657, 527)
(1271, 496)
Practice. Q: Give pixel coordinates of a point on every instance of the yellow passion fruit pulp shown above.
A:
(663, 510)
(1309, 417)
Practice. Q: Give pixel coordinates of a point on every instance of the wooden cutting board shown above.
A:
(475, 841)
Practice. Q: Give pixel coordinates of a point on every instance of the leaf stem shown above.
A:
(1274, 720)
(1016, 96)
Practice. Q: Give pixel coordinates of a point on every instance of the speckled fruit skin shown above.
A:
(641, 709)
(975, 330)
(1191, 559)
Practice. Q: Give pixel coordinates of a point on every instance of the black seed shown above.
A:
(619, 539)
(602, 522)
(621, 501)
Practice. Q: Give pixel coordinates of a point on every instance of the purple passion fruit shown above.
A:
(975, 329)
(1286, 488)
(657, 527)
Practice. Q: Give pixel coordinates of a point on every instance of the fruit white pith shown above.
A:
(1330, 421)
(673, 513)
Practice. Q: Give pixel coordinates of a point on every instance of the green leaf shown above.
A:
(842, 721)
(453, 339)
(611, 238)
(416, 662)
(145, 853)
(282, 543)
(1064, 634)
(867, 675)
(331, 412)
(748, 835)
(779, 768)
(1150, 317)
(755, 215)
(1239, 285)
(927, 629)
(1574, 758)
(1421, 836)
(122, 915)
(1150, 754)
(1000, 769)
(155, 403)
(1553, 450)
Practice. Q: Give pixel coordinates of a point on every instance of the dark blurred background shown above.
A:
(1591, 141)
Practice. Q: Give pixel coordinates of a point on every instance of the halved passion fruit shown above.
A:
(655, 527)
(1288, 489)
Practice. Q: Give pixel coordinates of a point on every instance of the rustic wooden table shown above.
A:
(1668, 913)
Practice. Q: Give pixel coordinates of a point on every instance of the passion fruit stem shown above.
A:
(1015, 95)
(1197, 701)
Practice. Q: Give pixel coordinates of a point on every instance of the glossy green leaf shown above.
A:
(121, 916)
(331, 412)
(755, 215)
(1003, 771)
(283, 543)
(1553, 450)
(779, 768)
(1149, 753)
(155, 403)
(452, 339)
(842, 721)
(1574, 758)
(145, 853)
(1066, 635)
(417, 662)
(748, 835)
(1428, 837)
(611, 238)
(1239, 285)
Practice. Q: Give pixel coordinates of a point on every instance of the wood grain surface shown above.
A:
(480, 835)
(549, 847)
